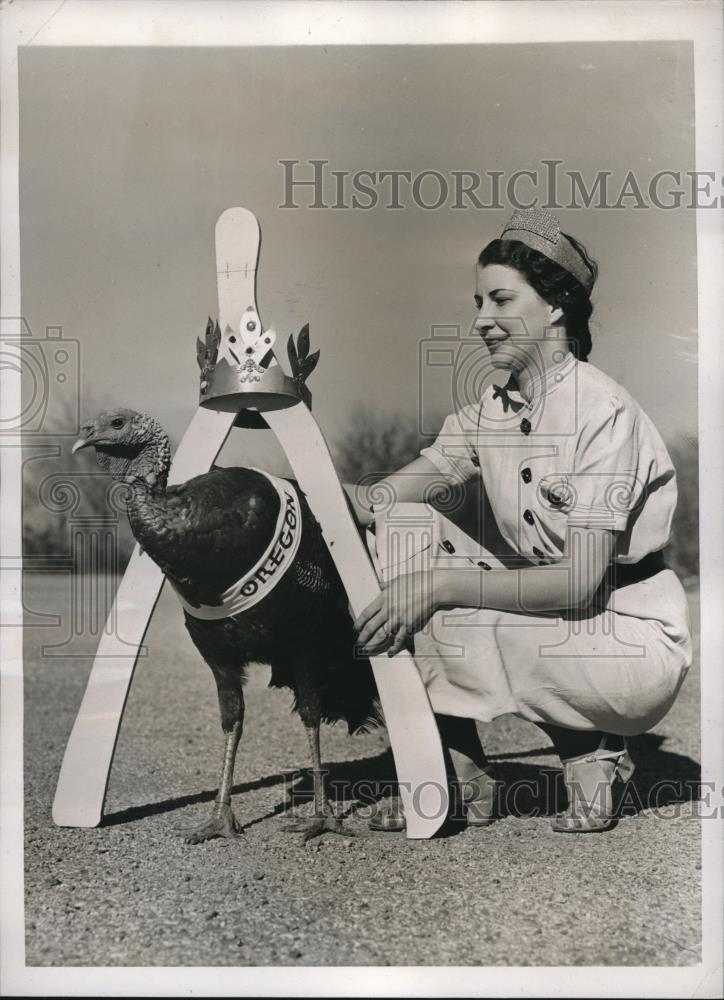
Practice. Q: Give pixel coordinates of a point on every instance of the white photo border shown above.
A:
(157, 23)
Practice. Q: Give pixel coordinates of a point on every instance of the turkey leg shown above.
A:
(323, 819)
(222, 822)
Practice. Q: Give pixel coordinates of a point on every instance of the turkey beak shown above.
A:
(88, 436)
(84, 442)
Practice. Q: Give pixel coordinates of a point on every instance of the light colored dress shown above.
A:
(584, 452)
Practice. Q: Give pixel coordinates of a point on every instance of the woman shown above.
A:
(582, 629)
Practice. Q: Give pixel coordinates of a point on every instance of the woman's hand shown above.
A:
(403, 607)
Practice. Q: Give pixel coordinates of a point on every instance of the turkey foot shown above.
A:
(316, 825)
(221, 823)
(323, 819)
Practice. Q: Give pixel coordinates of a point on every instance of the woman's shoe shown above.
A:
(589, 782)
(479, 796)
(390, 819)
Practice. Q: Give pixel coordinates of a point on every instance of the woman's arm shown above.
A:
(406, 603)
(569, 583)
(418, 481)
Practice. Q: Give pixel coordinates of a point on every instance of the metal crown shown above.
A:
(240, 371)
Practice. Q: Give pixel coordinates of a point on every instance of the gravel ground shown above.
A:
(133, 893)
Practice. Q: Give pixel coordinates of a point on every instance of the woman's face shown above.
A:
(512, 317)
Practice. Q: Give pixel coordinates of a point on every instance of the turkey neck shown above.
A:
(147, 507)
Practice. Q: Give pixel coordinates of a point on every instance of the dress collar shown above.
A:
(543, 384)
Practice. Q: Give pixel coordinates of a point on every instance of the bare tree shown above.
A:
(375, 445)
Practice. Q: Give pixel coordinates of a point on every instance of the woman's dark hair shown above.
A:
(553, 283)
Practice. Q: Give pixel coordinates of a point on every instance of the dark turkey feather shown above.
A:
(205, 534)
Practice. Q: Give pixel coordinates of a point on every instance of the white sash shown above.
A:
(255, 585)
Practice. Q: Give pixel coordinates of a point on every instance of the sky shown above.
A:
(128, 156)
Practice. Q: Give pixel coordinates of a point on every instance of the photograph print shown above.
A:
(360, 492)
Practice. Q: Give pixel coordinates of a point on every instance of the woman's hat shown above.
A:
(540, 230)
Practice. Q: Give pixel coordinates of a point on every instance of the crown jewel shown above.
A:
(239, 369)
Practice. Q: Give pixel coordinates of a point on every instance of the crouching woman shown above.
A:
(571, 620)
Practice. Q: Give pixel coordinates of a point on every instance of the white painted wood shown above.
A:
(413, 732)
(86, 766)
(237, 251)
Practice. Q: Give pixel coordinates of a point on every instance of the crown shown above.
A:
(540, 230)
(240, 371)
(537, 221)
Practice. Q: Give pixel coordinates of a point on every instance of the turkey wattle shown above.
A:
(205, 534)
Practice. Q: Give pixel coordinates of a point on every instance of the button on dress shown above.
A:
(583, 452)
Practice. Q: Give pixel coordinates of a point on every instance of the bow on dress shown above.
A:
(501, 392)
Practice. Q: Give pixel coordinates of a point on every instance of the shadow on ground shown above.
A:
(526, 790)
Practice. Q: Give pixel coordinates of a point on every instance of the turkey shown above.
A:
(207, 534)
